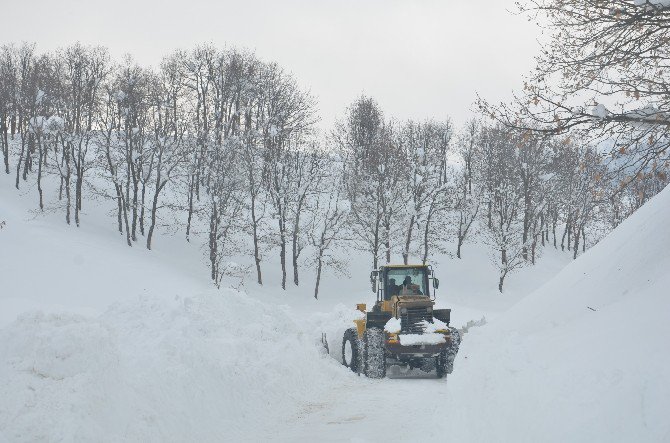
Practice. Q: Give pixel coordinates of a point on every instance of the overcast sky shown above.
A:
(419, 59)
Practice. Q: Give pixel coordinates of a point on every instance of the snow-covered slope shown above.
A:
(120, 344)
(585, 357)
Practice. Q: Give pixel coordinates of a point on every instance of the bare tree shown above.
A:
(168, 147)
(426, 146)
(287, 116)
(603, 73)
(328, 222)
(84, 71)
(361, 140)
(504, 225)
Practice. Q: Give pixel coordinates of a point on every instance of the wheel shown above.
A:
(441, 365)
(445, 361)
(375, 353)
(352, 351)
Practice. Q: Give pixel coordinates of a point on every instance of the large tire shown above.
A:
(441, 366)
(445, 361)
(352, 351)
(375, 353)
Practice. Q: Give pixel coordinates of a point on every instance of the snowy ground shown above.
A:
(100, 342)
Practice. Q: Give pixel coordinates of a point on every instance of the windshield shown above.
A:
(406, 281)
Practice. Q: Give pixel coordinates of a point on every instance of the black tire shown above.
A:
(352, 351)
(445, 361)
(375, 353)
(441, 365)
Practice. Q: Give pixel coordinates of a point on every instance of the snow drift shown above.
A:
(214, 367)
(583, 358)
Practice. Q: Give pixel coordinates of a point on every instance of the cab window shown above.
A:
(405, 281)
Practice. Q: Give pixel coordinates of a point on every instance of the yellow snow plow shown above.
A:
(402, 328)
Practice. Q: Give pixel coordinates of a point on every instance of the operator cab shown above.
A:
(405, 280)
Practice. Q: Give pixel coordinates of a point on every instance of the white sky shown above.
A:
(419, 59)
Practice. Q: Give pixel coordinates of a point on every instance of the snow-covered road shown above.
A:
(398, 408)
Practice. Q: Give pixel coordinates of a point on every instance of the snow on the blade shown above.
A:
(429, 338)
(393, 325)
(436, 325)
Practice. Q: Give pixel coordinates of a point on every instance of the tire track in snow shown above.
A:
(399, 408)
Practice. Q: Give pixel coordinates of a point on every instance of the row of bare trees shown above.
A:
(420, 188)
(223, 146)
(221, 137)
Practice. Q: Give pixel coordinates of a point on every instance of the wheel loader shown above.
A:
(402, 328)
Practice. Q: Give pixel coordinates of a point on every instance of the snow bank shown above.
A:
(211, 367)
(333, 324)
(584, 358)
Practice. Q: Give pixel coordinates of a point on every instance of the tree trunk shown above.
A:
(190, 208)
(213, 231)
(524, 238)
(77, 196)
(553, 229)
(144, 187)
(294, 244)
(490, 215)
(426, 231)
(68, 199)
(119, 193)
(375, 245)
(5, 145)
(154, 209)
(282, 255)
(18, 163)
(460, 235)
(119, 199)
(318, 274)
(532, 249)
(408, 240)
(39, 174)
(27, 164)
(135, 200)
(387, 242)
(257, 255)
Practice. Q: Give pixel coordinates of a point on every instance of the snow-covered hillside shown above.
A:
(584, 358)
